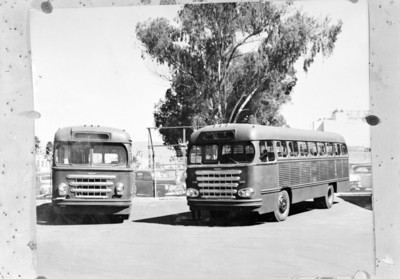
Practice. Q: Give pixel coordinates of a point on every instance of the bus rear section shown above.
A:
(92, 172)
(239, 168)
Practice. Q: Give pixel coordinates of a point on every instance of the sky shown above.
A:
(87, 69)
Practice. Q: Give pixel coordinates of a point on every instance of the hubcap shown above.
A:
(282, 204)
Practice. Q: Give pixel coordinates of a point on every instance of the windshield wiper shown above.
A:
(233, 160)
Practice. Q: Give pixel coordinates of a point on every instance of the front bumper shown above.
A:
(95, 206)
(224, 204)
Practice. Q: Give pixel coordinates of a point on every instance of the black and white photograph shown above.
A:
(199, 140)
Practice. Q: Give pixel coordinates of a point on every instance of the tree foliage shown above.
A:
(232, 62)
(37, 144)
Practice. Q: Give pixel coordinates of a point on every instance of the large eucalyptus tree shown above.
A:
(232, 62)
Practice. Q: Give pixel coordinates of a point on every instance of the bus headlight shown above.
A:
(245, 193)
(192, 193)
(119, 188)
(62, 189)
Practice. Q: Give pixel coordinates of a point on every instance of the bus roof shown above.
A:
(246, 132)
(92, 133)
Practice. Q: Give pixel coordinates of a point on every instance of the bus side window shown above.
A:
(270, 151)
(313, 148)
(263, 152)
(329, 149)
(249, 152)
(293, 148)
(267, 153)
(303, 149)
(321, 149)
(337, 149)
(289, 148)
(343, 149)
(281, 148)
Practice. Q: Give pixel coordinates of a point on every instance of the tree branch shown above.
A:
(244, 104)
(238, 45)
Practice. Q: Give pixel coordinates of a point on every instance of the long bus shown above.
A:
(256, 168)
(92, 172)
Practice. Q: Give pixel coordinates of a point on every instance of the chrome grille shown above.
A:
(218, 184)
(91, 186)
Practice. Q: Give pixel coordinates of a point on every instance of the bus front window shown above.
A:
(237, 153)
(105, 154)
(75, 154)
(195, 155)
(86, 154)
(211, 153)
(227, 153)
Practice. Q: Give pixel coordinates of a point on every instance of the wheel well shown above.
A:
(289, 191)
(334, 184)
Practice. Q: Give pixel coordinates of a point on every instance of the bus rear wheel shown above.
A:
(327, 200)
(282, 206)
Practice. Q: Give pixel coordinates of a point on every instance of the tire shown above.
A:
(326, 201)
(282, 206)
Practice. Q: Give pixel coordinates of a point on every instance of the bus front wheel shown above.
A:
(327, 200)
(282, 206)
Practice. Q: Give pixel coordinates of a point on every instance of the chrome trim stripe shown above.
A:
(74, 184)
(238, 165)
(91, 190)
(300, 159)
(218, 184)
(225, 191)
(222, 171)
(273, 190)
(270, 191)
(90, 176)
(92, 197)
(217, 198)
(317, 183)
(206, 178)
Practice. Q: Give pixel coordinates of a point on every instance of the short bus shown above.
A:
(92, 172)
(255, 168)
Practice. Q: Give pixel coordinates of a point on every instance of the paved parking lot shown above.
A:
(162, 241)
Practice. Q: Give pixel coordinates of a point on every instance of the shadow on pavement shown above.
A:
(45, 216)
(185, 218)
(364, 201)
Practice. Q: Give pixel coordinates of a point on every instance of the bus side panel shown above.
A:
(268, 202)
(309, 192)
(263, 179)
(342, 186)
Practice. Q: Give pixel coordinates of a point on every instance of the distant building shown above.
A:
(353, 127)
(350, 124)
(43, 165)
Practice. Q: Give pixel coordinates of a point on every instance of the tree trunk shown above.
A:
(234, 116)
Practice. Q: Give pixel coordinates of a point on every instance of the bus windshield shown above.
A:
(223, 153)
(90, 154)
